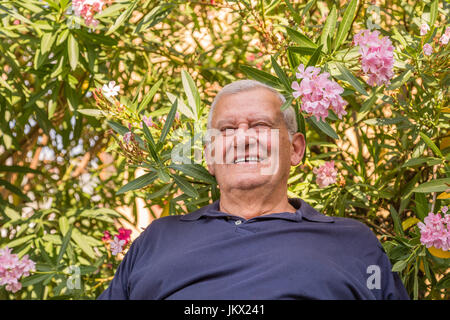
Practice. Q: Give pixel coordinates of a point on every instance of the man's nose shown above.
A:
(244, 136)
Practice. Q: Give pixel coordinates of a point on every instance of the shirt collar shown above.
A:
(304, 211)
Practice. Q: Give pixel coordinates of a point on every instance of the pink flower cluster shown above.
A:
(445, 37)
(326, 174)
(87, 8)
(377, 57)
(12, 269)
(119, 242)
(436, 230)
(318, 93)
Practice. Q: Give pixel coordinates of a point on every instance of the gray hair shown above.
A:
(247, 85)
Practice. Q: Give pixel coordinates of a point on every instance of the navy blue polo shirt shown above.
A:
(209, 254)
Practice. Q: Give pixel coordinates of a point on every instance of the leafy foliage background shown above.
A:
(63, 173)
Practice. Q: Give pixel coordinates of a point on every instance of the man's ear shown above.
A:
(209, 158)
(298, 148)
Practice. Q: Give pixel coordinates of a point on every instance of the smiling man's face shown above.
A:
(251, 147)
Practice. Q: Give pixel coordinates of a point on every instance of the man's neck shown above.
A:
(250, 204)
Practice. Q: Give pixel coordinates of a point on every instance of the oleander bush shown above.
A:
(95, 92)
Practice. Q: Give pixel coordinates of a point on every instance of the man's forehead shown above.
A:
(257, 104)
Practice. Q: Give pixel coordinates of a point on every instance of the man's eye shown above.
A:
(261, 125)
(227, 129)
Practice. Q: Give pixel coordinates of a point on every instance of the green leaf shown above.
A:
(191, 92)
(65, 243)
(47, 42)
(346, 23)
(63, 225)
(18, 242)
(168, 123)
(261, 76)
(399, 266)
(182, 107)
(195, 171)
(14, 189)
(383, 122)
(300, 38)
(156, 15)
(73, 51)
(287, 103)
(328, 29)
(148, 97)
(396, 218)
(34, 279)
(19, 169)
(350, 78)
(418, 161)
(431, 144)
(138, 183)
(433, 12)
(121, 19)
(12, 214)
(438, 185)
(281, 74)
(294, 13)
(151, 142)
(185, 186)
(82, 243)
(315, 57)
(400, 80)
(324, 127)
(421, 205)
(91, 112)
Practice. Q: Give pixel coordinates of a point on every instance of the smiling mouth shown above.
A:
(248, 160)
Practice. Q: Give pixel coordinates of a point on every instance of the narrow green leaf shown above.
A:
(148, 97)
(195, 171)
(168, 123)
(346, 23)
(324, 127)
(261, 76)
(82, 243)
(315, 57)
(431, 144)
(433, 12)
(185, 186)
(122, 18)
(65, 243)
(399, 266)
(294, 13)
(19, 169)
(138, 183)
(96, 113)
(46, 42)
(421, 205)
(300, 38)
(151, 142)
(73, 51)
(281, 74)
(350, 78)
(287, 103)
(328, 29)
(400, 80)
(396, 218)
(191, 92)
(18, 242)
(438, 185)
(14, 189)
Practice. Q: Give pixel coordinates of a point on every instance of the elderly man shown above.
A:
(255, 242)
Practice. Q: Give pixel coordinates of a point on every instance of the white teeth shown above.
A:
(249, 159)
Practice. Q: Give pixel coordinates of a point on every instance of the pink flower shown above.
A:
(251, 57)
(445, 37)
(124, 234)
(116, 246)
(325, 174)
(12, 269)
(87, 9)
(127, 137)
(427, 49)
(106, 236)
(318, 93)
(436, 231)
(148, 121)
(424, 28)
(377, 58)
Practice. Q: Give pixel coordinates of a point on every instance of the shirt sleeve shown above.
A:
(118, 288)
